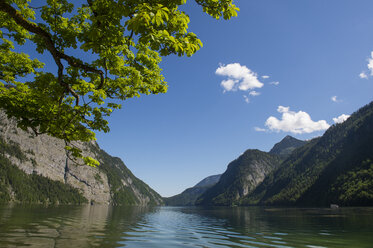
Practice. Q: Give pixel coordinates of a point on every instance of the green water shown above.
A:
(102, 226)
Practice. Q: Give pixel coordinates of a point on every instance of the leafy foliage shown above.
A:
(124, 41)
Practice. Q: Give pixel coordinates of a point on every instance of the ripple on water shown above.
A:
(182, 227)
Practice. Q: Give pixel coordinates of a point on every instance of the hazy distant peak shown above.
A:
(208, 181)
(190, 195)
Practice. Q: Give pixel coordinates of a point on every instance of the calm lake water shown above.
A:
(101, 226)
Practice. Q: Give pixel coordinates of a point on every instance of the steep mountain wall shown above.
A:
(335, 168)
(109, 183)
(240, 178)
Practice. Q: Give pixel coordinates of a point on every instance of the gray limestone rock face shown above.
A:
(46, 156)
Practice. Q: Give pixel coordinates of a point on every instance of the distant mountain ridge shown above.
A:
(190, 195)
(208, 181)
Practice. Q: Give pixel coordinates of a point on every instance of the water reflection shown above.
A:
(105, 226)
(68, 226)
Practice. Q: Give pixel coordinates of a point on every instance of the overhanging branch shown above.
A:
(57, 55)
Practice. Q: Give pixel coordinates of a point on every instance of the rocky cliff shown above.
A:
(42, 155)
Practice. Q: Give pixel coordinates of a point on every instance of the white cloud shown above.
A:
(265, 76)
(247, 100)
(254, 93)
(341, 118)
(275, 83)
(334, 99)
(258, 129)
(282, 109)
(228, 84)
(295, 122)
(370, 64)
(239, 77)
(363, 75)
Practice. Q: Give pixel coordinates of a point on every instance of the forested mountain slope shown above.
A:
(286, 146)
(335, 168)
(240, 178)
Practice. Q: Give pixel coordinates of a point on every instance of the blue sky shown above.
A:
(315, 50)
(316, 54)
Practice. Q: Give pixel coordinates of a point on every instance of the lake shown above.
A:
(103, 226)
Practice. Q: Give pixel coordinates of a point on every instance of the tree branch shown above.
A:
(57, 55)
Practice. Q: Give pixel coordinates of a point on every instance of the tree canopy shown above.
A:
(125, 40)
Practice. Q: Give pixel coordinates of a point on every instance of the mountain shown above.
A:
(208, 181)
(286, 146)
(36, 169)
(335, 168)
(240, 178)
(190, 195)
